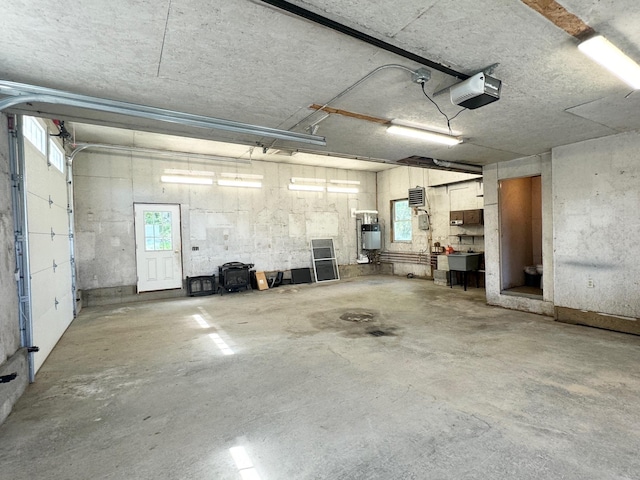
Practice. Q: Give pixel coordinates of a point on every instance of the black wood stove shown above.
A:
(234, 276)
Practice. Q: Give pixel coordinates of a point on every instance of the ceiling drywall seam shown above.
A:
(164, 38)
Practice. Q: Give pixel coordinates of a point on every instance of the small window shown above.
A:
(401, 220)
(157, 231)
(35, 133)
(56, 155)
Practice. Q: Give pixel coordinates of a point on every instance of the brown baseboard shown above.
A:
(598, 320)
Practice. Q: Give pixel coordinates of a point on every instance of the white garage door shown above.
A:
(49, 247)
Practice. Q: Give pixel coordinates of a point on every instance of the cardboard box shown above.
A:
(261, 280)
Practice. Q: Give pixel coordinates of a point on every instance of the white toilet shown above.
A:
(539, 270)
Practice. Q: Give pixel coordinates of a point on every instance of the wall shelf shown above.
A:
(466, 235)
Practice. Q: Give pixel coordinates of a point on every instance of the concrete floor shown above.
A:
(457, 390)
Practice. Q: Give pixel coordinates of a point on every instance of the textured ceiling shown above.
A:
(250, 62)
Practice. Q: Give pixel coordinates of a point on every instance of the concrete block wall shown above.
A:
(12, 358)
(596, 192)
(270, 227)
(443, 195)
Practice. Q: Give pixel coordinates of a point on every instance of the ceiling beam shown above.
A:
(561, 17)
(347, 113)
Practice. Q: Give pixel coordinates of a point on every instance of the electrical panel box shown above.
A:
(423, 222)
(371, 236)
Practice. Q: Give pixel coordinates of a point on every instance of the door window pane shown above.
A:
(157, 231)
(56, 155)
(35, 133)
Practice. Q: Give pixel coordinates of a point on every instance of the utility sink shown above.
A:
(464, 262)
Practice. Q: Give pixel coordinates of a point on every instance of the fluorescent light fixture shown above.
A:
(193, 173)
(186, 179)
(342, 189)
(346, 182)
(424, 135)
(243, 176)
(306, 188)
(605, 53)
(239, 183)
(307, 180)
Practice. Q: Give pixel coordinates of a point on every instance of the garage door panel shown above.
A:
(41, 252)
(39, 214)
(48, 285)
(62, 272)
(58, 188)
(37, 164)
(38, 175)
(49, 327)
(60, 248)
(43, 217)
(59, 219)
(42, 213)
(43, 292)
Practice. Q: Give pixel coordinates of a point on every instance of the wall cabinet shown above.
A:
(466, 217)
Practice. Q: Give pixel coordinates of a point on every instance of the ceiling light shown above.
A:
(424, 135)
(245, 176)
(185, 179)
(605, 53)
(306, 188)
(342, 189)
(307, 180)
(195, 173)
(346, 182)
(239, 183)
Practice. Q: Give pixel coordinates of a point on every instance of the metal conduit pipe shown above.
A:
(462, 166)
(405, 257)
(19, 93)
(351, 87)
(79, 147)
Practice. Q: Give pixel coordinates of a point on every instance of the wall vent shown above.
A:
(416, 197)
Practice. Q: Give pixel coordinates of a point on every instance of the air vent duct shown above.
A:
(427, 162)
(416, 197)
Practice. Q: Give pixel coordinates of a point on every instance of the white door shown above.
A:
(158, 246)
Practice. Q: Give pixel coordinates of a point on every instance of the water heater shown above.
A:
(371, 236)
